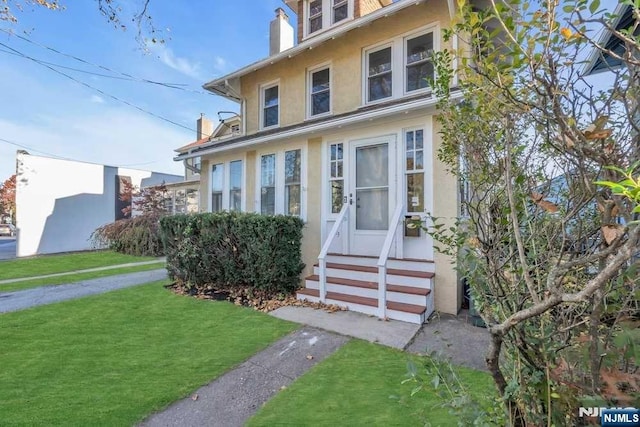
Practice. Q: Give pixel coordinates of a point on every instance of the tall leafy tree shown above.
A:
(8, 198)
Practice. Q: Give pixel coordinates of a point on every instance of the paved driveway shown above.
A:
(7, 248)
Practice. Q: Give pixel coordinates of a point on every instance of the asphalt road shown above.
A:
(7, 248)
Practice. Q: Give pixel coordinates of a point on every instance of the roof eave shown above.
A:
(604, 39)
(311, 43)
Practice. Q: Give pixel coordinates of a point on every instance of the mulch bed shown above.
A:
(245, 296)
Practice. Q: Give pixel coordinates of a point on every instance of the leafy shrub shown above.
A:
(233, 249)
(139, 235)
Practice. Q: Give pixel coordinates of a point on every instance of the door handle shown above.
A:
(350, 199)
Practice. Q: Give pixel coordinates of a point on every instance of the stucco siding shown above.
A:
(346, 65)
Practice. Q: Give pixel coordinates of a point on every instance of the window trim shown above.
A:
(263, 88)
(327, 17)
(243, 186)
(210, 196)
(280, 179)
(398, 63)
(415, 170)
(310, 72)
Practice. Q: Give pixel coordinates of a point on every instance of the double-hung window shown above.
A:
(315, 16)
(292, 182)
(217, 185)
(336, 178)
(340, 10)
(400, 67)
(319, 92)
(270, 106)
(379, 74)
(235, 185)
(268, 184)
(414, 169)
(418, 62)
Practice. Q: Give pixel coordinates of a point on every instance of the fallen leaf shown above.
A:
(194, 397)
(309, 357)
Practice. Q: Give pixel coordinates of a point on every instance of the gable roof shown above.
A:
(218, 134)
(221, 85)
(599, 62)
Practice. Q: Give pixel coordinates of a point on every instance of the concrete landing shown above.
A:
(391, 333)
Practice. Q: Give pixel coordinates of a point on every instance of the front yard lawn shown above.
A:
(353, 387)
(77, 277)
(113, 359)
(51, 264)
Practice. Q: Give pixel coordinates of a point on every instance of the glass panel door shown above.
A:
(372, 187)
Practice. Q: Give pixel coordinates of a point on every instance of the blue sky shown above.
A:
(53, 115)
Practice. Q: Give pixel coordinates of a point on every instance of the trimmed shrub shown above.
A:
(230, 249)
(134, 236)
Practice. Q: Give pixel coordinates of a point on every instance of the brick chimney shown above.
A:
(204, 127)
(280, 33)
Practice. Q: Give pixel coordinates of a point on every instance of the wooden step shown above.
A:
(372, 302)
(376, 257)
(371, 285)
(393, 271)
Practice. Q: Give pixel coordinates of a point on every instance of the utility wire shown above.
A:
(179, 86)
(37, 61)
(67, 158)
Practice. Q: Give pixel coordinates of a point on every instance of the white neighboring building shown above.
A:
(59, 203)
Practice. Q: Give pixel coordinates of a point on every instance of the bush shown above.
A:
(233, 249)
(134, 236)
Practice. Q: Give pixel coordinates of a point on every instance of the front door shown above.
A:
(371, 193)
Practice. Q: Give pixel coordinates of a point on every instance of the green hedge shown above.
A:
(234, 249)
(138, 236)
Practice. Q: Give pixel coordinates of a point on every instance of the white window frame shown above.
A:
(210, 196)
(329, 179)
(327, 17)
(280, 179)
(243, 186)
(310, 73)
(398, 63)
(263, 88)
(415, 170)
(367, 54)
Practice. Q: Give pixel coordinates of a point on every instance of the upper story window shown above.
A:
(270, 106)
(419, 66)
(340, 10)
(379, 78)
(323, 14)
(315, 16)
(319, 92)
(402, 66)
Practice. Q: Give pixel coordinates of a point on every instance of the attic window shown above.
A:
(340, 10)
(235, 129)
(315, 16)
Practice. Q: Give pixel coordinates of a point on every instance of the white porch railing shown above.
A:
(322, 263)
(392, 234)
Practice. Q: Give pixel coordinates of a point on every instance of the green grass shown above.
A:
(353, 387)
(72, 278)
(51, 264)
(114, 358)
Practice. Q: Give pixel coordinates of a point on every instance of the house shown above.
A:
(60, 202)
(337, 127)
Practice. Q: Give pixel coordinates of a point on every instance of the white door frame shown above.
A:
(369, 242)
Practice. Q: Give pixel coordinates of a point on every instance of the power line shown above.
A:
(178, 86)
(37, 61)
(68, 158)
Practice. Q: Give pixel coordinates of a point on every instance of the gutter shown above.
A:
(219, 85)
(210, 148)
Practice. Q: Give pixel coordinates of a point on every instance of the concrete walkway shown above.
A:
(448, 336)
(20, 300)
(233, 398)
(87, 270)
